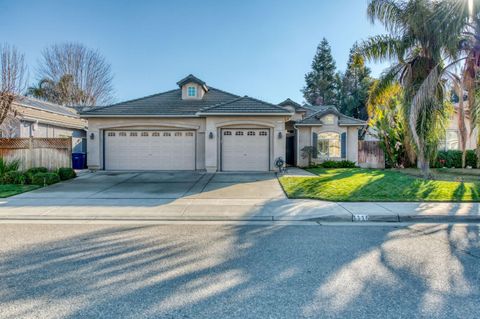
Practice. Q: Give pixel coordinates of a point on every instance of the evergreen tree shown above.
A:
(320, 83)
(355, 84)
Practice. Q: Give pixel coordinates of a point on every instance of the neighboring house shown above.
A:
(31, 117)
(193, 127)
(333, 134)
(450, 139)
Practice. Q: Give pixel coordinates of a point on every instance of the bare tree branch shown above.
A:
(91, 76)
(12, 78)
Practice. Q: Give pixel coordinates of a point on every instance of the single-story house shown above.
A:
(198, 127)
(31, 117)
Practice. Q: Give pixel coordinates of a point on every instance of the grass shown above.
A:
(366, 185)
(7, 190)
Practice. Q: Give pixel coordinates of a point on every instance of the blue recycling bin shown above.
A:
(79, 160)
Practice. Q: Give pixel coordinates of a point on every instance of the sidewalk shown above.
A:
(234, 210)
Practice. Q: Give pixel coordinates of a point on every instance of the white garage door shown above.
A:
(245, 149)
(149, 150)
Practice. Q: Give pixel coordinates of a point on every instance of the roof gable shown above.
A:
(343, 120)
(190, 79)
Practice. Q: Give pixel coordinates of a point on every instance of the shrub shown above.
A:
(338, 164)
(66, 173)
(453, 159)
(45, 179)
(14, 177)
(11, 166)
(34, 170)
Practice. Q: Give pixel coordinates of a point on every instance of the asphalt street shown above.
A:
(239, 271)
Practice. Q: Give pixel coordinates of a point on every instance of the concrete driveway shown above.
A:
(163, 185)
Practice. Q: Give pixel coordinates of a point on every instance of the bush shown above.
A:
(45, 179)
(453, 159)
(66, 173)
(6, 167)
(338, 164)
(14, 177)
(32, 171)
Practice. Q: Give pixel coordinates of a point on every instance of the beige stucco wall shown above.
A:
(98, 125)
(305, 138)
(208, 155)
(471, 139)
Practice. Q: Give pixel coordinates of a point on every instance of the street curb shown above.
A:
(330, 218)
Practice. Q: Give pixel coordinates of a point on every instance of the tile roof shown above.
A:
(244, 104)
(170, 103)
(315, 118)
(166, 103)
(31, 102)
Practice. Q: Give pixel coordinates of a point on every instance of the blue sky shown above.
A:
(257, 48)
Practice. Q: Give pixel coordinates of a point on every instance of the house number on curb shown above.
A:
(360, 218)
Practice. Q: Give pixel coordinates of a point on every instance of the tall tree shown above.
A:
(355, 83)
(320, 82)
(63, 92)
(79, 71)
(416, 43)
(12, 78)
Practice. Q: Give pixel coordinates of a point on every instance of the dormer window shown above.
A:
(192, 91)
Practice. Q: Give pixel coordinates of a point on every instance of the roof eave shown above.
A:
(246, 114)
(135, 115)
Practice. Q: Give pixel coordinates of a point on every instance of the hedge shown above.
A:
(453, 159)
(66, 173)
(45, 179)
(337, 164)
(14, 177)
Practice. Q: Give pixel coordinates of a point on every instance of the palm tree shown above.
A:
(418, 43)
(463, 17)
(64, 92)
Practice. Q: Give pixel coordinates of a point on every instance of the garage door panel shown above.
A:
(245, 149)
(149, 150)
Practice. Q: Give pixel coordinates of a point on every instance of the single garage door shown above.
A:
(149, 150)
(245, 150)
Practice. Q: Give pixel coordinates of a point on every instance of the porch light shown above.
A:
(210, 135)
(92, 136)
(280, 135)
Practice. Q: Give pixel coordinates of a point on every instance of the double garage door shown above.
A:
(149, 150)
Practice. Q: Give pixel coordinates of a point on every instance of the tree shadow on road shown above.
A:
(240, 271)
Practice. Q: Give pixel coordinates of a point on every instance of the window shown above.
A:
(239, 133)
(328, 119)
(178, 133)
(262, 133)
(155, 134)
(122, 134)
(167, 134)
(133, 134)
(251, 133)
(227, 133)
(189, 134)
(111, 134)
(328, 145)
(144, 133)
(192, 91)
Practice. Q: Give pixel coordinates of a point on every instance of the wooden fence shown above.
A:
(35, 152)
(370, 154)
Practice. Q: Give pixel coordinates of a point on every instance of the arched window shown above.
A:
(328, 144)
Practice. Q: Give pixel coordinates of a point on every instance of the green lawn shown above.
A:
(7, 190)
(358, 184)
